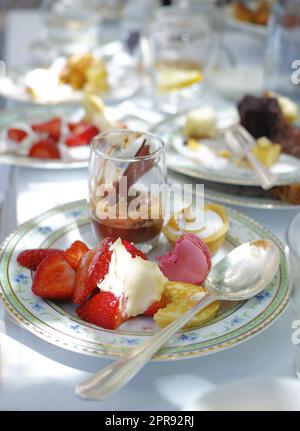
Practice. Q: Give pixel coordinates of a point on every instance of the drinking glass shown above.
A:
(127, 174)
(179, 49)
(293, 239)
(72, 24)
(282, 60)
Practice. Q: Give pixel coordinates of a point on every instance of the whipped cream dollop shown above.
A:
(139, 281)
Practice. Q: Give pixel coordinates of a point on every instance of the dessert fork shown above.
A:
(240, 143)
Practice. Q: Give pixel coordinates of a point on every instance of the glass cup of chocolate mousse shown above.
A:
(127, 178)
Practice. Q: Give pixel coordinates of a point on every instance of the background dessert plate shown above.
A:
(255, 29)
(122, 86)
(72, 157)
(242, 196)
(59, 325)
(210, 166)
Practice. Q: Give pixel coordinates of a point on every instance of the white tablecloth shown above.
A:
(37, 375)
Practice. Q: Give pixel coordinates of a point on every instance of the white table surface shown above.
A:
(35, 375)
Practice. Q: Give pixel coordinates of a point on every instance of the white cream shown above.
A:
(213, 223)
(140, 281)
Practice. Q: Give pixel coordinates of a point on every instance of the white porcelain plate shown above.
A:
(59, 325)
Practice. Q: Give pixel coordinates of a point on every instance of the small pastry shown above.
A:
(213, 231)
(201, 123)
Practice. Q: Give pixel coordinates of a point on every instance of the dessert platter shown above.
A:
(68, 78)
(102, 298)
(196, 147)
(59, 137)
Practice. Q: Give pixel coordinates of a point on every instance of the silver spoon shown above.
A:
(242, 274)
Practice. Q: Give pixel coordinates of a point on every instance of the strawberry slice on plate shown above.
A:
(54, 279)
(82, 135)
(102, 309)
(157, 305)
(32, 258)
(81, 290)
(16, 135)
(75, 252)
(74, 141)
(44, 149)
(78, 126)
(51, 127)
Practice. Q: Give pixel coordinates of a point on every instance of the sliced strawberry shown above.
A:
(82, 135)
(157, 305)
(54, 279)
(32, 258)
(51, 127)
(99, 266)
(75, 252)
(87, 133)
(133, 250)
(74, 141)
(81, 291)
(16, 135)
(102, 310)
(77, 127)
(45, 149)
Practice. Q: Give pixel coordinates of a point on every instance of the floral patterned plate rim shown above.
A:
(59, 325)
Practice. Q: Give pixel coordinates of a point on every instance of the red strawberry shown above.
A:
(77, 127)
(99, 267)
(74, 141)
(45, 149)
(75, 252)
(51, 127)
(54, 278)
(32, 258)
(82, 135)
(102, 310)
(133, 250)
(81, 292)
(87, 133)
(16, 135)
(157, 305)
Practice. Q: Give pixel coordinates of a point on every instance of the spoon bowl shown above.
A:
(244, 272)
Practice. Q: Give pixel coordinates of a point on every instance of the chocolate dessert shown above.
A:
(262, 116)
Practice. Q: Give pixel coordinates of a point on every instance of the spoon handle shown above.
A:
(115, 376)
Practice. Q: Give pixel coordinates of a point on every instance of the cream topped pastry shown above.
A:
(201, 123)
(139, 282)
(211, 229)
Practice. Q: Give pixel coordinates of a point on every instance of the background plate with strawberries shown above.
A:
(15, 147)
(58, 324)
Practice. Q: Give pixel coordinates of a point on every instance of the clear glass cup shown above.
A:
(293, 240)
(282, 59)
(179, 49)
(127, 175)
(73, 24)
